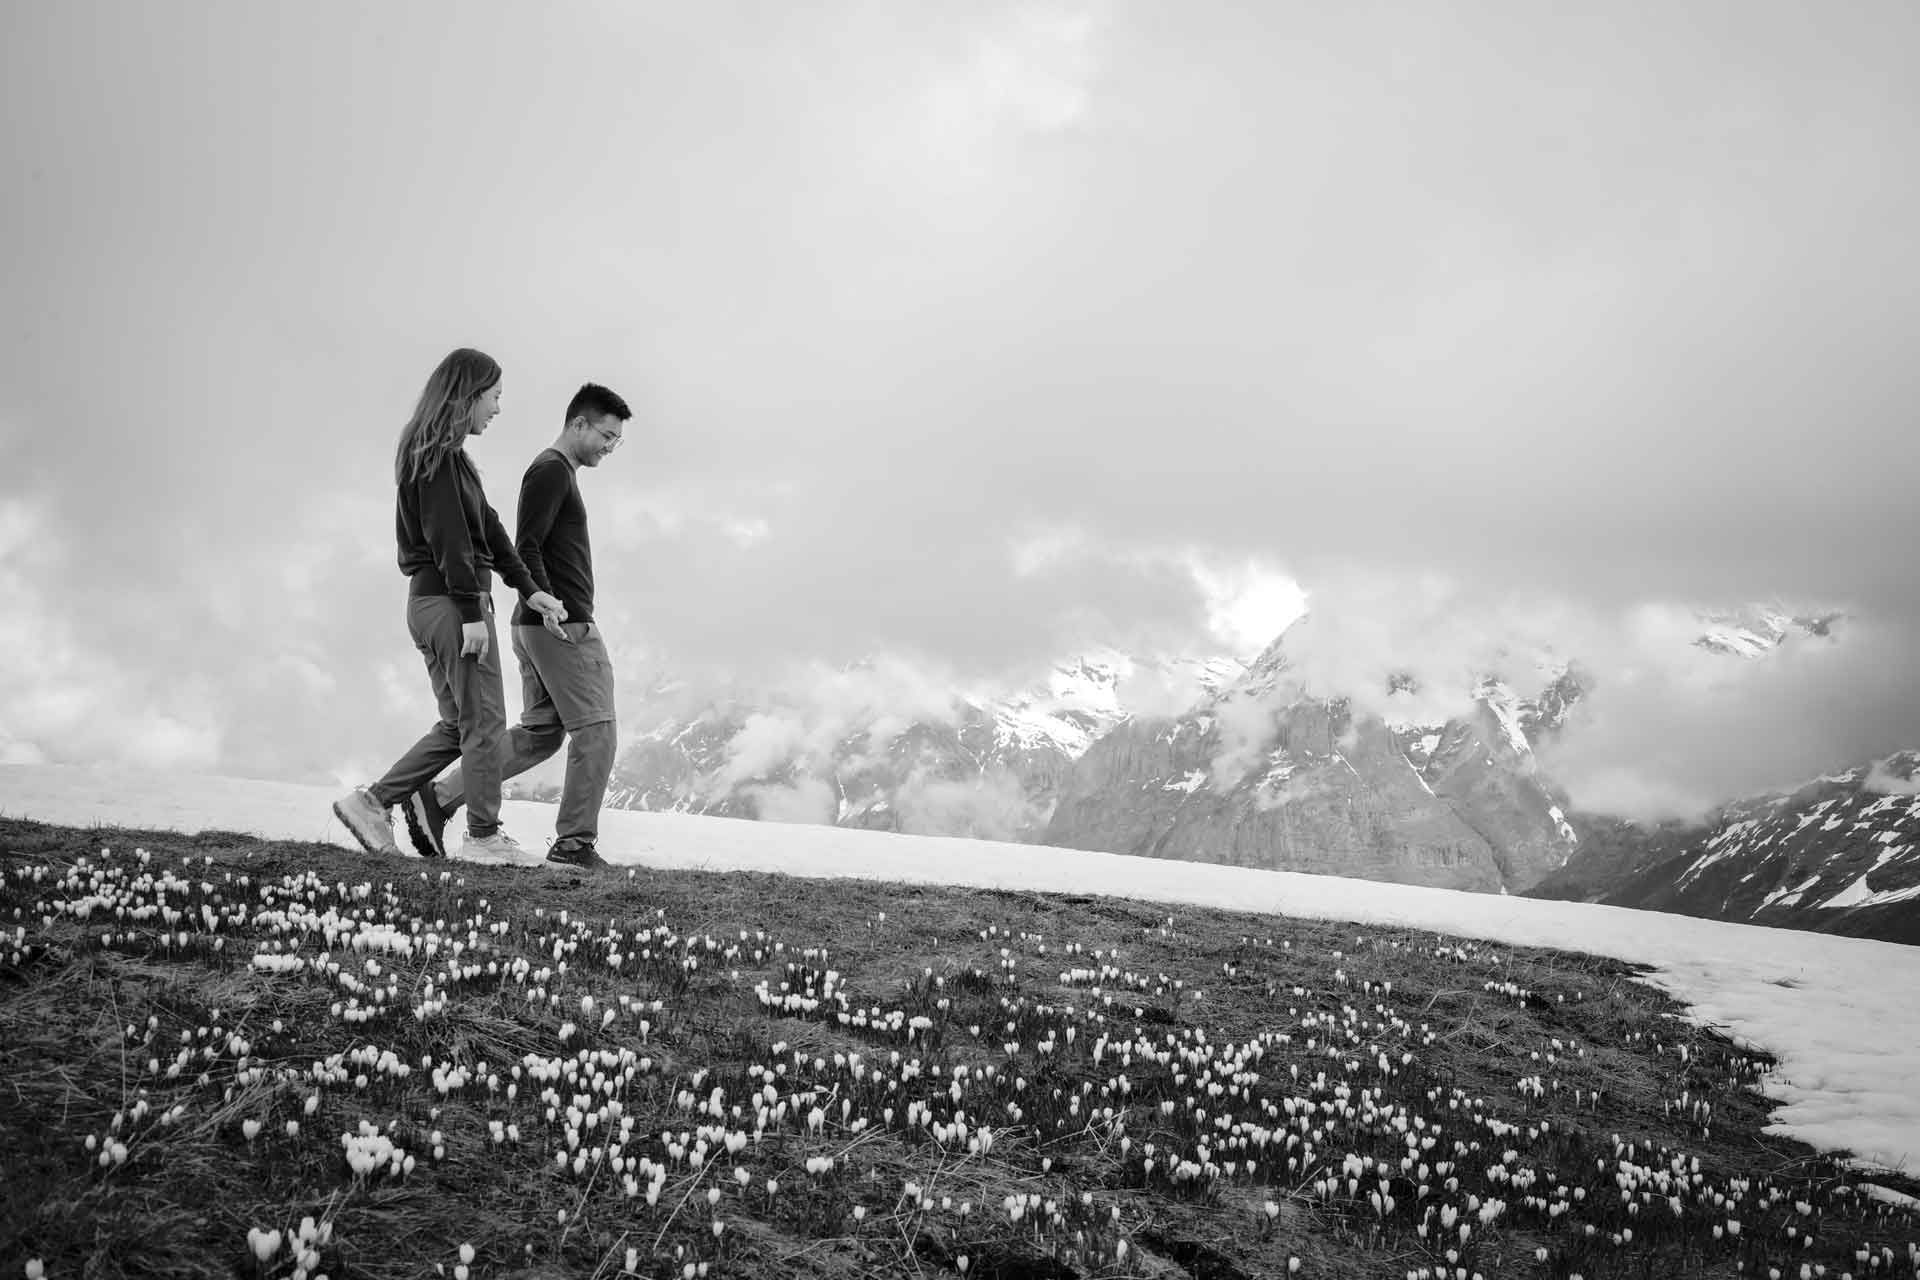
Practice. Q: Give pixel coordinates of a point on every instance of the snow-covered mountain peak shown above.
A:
(1086, 696)
(886, 744)
(1753, 630)
(1496, 697)
(1091, 682)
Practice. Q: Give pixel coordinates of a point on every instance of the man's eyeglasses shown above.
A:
(613, 441)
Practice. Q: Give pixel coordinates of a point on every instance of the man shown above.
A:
(565, 673)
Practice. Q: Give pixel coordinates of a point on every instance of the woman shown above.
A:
(451, 544)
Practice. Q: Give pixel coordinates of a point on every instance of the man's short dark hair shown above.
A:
(594, 402)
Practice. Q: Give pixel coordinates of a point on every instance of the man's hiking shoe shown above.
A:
(426, 822)
(498, 847)
(576, 851)
(368, 820)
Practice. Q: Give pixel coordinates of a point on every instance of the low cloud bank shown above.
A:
(1668, 727)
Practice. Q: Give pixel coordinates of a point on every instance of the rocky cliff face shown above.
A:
(1613, 851)
(1267, 775)
(1326, 796)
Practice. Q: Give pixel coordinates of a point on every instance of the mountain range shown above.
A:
(1839, 854)
(963, 764)
(1211, 759)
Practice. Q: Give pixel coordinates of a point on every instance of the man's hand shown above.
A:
(473, 639)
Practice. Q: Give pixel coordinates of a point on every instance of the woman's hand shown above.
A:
(473, 639)
(552, 613)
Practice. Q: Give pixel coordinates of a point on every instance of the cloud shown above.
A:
(1057, 297)
(13, 751)
(1002, 78)
(630, 519)
(1035, 70)
(1667, 728)
(1289, 791)
(1414, 648)
(805, 800)
(66, 698)
(813, 710)
(1888, 782)
(766, 743)
(883, 685)
(1161, 690)
(993, 806)
(1245, 727)
(1638, 792)
(1670, 730)
(1248, 603)
(814, 713)
(1047, 549)
(288, 658)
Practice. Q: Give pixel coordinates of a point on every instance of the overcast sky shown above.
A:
(975, 333)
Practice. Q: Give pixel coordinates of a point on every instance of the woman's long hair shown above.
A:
(440, 421)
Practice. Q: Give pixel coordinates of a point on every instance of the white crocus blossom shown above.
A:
(263, 1243)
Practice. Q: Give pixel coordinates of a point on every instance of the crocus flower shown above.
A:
(264, 1243)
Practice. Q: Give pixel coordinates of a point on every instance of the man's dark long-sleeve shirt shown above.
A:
(552, 537)
(451, 542)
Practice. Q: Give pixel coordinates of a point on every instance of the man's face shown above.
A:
(600, 437)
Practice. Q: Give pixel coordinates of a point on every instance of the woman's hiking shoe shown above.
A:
(498, 847)
(576, 851)
(426, 822)
(368, 820)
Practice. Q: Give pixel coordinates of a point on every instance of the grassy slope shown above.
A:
(1332, 1057)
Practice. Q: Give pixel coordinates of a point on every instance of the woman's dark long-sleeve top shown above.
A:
(451, 542)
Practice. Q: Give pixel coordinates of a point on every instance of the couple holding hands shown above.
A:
(451, 545)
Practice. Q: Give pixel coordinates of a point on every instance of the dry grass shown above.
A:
(1221, 1036)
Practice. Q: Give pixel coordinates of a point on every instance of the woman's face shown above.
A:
(486, 406)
